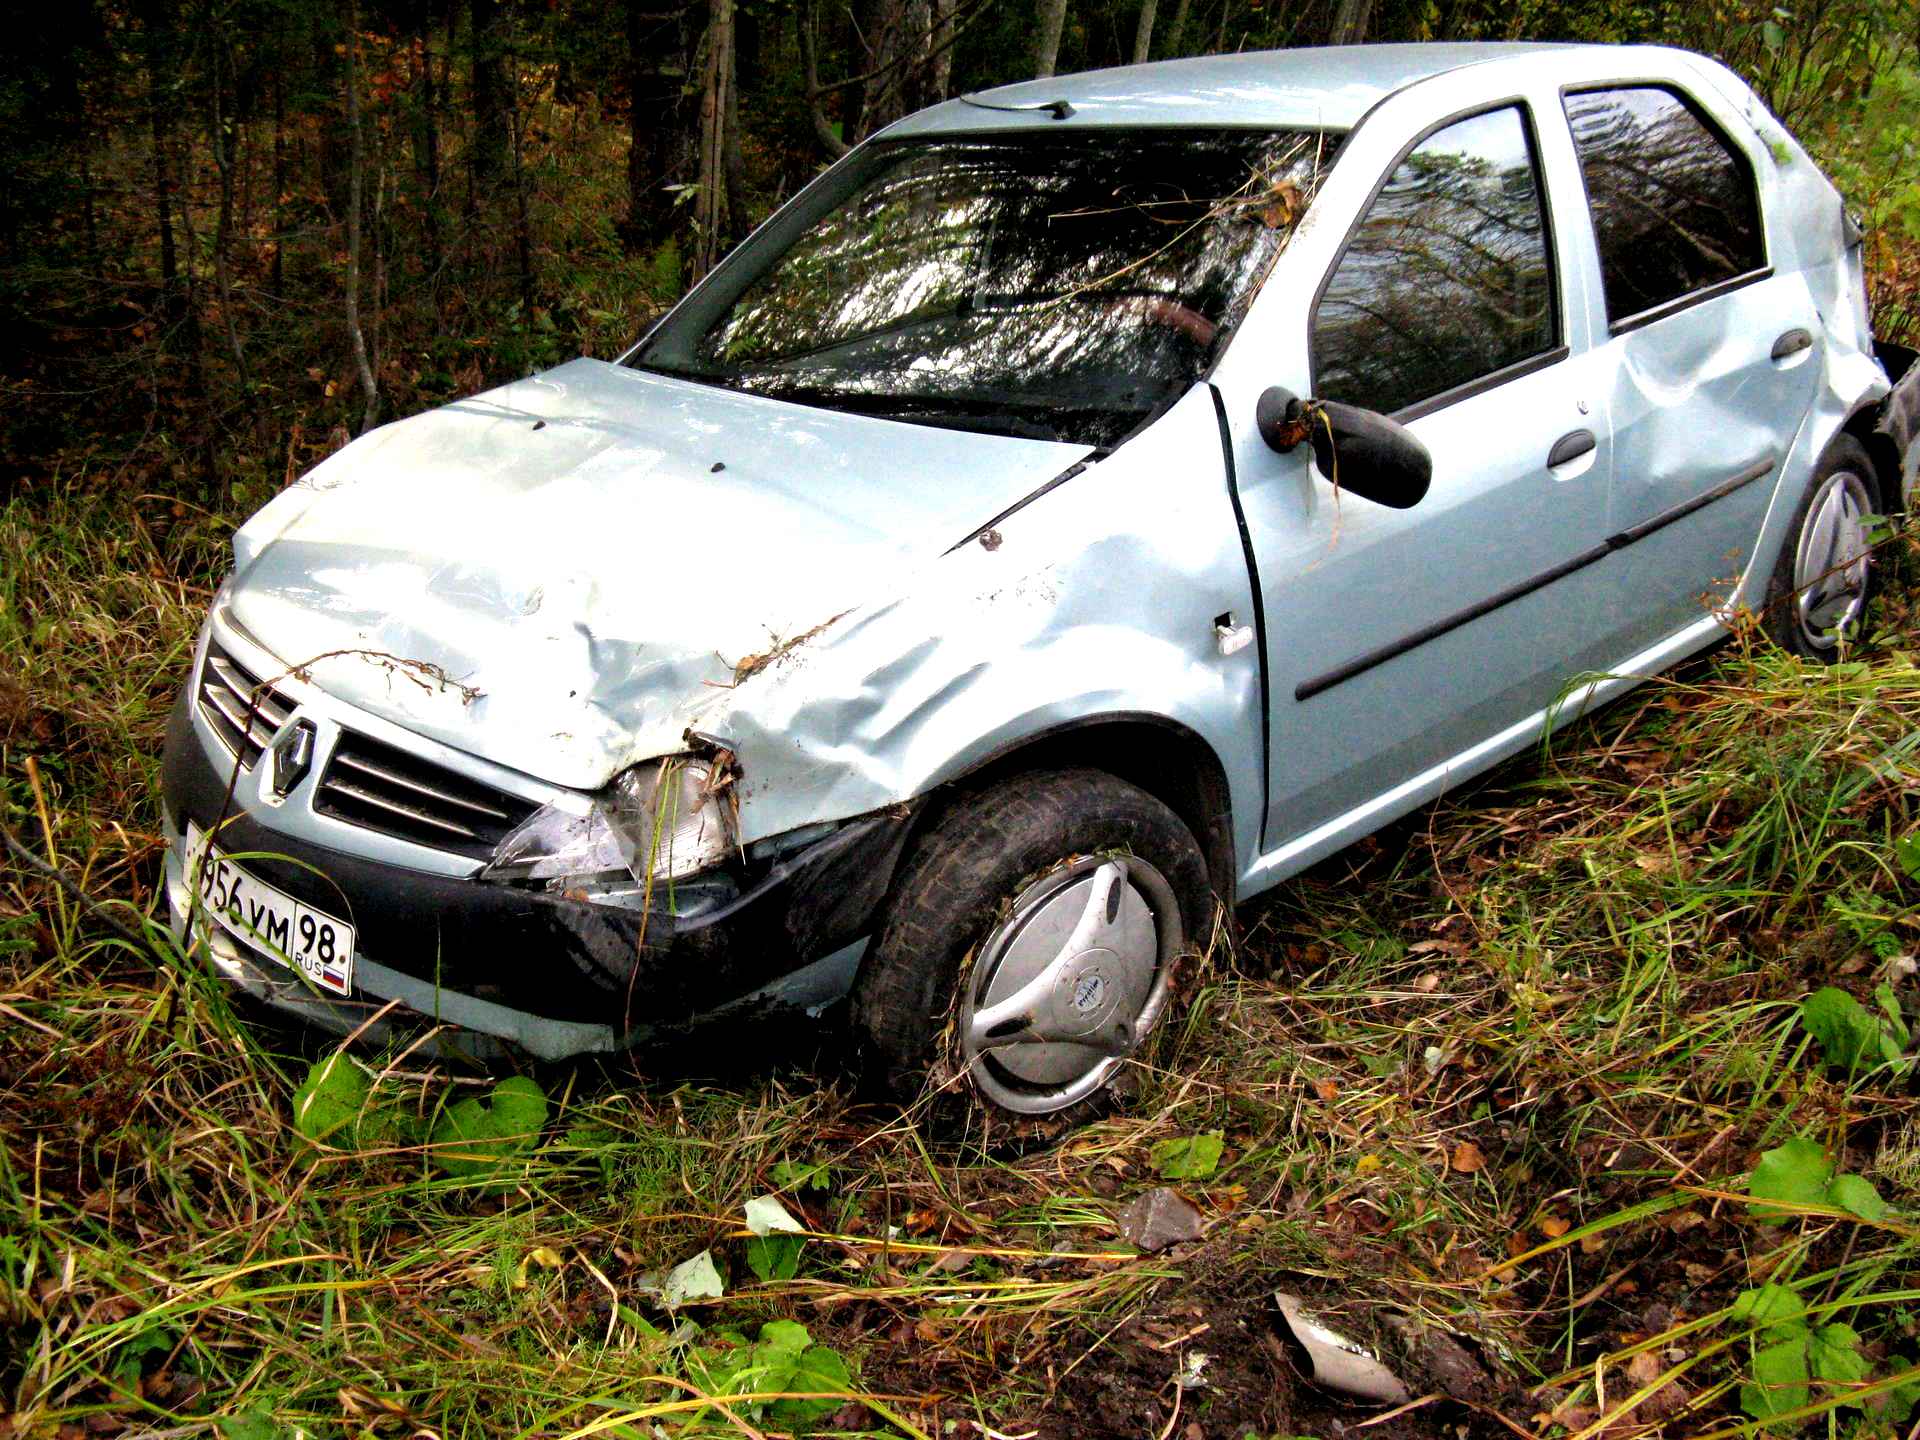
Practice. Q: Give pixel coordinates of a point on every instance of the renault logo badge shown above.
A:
(292, 757)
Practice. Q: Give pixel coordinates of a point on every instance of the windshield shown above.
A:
(1065, 288)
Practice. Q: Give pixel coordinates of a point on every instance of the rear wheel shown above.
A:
(1032, 944)
(1824, 576)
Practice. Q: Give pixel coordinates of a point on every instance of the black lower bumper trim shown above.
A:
(548, 955)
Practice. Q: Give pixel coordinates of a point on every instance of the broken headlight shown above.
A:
(659, 821)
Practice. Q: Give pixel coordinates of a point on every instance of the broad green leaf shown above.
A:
(1771, 1307)
(817, 1368)
(481, 1137)
(1779, 1380)
(1906, 851)
(1902, 1398)
(1188, 1157)
(774, 1257)
(328, 1104)
(785, 1335)
(254, 1424)
(1890, 1007)
(1855, 1194)
(1795, 1173)
(802, 1174)
(1834, 1354)
(1848, 1033)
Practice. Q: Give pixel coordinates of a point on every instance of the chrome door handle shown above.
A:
(1569, 447)
(1792, 343)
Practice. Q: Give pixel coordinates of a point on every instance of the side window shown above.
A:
(1674, 208)
(1446, 279)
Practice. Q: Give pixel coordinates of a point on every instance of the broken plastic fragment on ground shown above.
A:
(766, 1214)
(691, 1280)
(1337, 1362)
(1160, 1218)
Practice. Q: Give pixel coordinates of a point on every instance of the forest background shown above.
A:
(235, 232)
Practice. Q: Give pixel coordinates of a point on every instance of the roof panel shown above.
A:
(1324, 88)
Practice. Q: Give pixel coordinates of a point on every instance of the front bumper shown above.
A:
(517, 967)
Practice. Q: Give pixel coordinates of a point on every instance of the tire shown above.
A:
(1071, 873)
(1823, 578)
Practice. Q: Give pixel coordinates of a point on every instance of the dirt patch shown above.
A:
(1216, 1361)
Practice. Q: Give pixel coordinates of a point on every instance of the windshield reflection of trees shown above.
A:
(1446, 279)
(1078, 284)
(1673, 210)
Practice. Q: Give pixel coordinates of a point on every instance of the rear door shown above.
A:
(1710, 355)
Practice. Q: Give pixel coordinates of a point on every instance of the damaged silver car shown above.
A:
(1083, 507)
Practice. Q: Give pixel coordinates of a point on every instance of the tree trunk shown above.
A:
(426, 144)
(224, 132)
(279, 182)
(1143, 32)
(833, 145)
(1051, 20)
(488, 149)
(940, 43)
(1350, 22)
(163, 202)
(356, 181)
(1174, 40)
(711, 218)
(522, 228)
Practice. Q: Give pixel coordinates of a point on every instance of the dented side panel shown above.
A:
(1099, 598)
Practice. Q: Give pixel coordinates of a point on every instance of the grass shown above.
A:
(1491, 1086)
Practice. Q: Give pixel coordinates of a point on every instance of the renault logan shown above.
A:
(1081, 508)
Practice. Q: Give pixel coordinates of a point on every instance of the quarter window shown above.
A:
(1446, 280)
(1674, 208)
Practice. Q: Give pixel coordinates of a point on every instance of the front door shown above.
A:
(1398, 639)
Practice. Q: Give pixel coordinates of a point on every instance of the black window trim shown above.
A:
(1554, 354)
(1678, 90)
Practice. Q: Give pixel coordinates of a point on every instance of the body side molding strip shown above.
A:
(1359, 665)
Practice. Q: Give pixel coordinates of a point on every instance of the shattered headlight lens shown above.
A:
(661, 820)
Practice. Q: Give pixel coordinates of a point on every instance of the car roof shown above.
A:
(1326, 88)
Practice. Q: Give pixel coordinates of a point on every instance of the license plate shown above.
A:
(270, 921)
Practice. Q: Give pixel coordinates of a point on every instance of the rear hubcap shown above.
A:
(1069, 983)
(1831, 561)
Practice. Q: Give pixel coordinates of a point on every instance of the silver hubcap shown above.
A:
(1070, 983)
(1830, 564)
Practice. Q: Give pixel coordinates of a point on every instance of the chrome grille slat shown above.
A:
(243, 712)
(368, 768)
(391, 791)
(394, 807)
(258, 727)
(270, 703)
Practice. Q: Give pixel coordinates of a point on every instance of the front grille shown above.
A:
(243, 712)
(379, 787)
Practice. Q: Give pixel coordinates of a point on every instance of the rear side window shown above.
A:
(1674, 207)
(1446, 280)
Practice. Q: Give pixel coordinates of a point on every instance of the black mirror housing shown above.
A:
(1361, 450)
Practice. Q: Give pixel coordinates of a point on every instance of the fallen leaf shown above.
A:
(1553, 1227)
(1327, 1090)
(1467, 1158)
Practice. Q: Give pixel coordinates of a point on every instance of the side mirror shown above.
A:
(1367, 453)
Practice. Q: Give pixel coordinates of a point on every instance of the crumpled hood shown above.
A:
(589, 553)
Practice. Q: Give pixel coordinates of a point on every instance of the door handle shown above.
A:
(1569, 447)
(1792, 343)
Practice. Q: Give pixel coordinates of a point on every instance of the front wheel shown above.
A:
(1032, 944)
(1824, 576)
